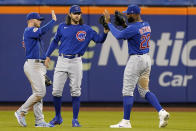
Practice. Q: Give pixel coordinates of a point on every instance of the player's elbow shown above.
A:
(54, 43)
(99, 40)
(118, 36)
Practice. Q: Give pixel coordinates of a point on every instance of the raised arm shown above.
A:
(117, 33)
(52, 47)
(124, 34)
(54, 43)
(37, 32)
(49, 25)
(98, 38)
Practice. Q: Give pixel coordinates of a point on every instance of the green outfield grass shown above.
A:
(100, 121)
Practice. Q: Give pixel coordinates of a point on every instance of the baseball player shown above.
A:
(138, 67)
(35, 69)
(74, 37)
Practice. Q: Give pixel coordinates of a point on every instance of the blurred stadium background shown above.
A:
(173, 51)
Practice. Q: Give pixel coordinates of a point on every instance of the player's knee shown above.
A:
(143, 94)
(41, 93)
(128, 87)
(143, 91)
(75, 92)
(127, 92)
(57, 93)
(38, 98)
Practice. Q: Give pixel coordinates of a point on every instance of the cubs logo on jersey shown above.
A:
(81, 35)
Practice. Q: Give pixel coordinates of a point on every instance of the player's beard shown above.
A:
(131, 19)
(36, 25)
(76, 20)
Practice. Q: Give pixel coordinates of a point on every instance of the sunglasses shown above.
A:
(77, 13)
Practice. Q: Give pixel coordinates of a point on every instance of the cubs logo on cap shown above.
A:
(75, 9)
(132, 9)
(81, 35)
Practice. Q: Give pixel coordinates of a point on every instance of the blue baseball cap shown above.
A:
(34, 15)
(75, 9)
(132, 9)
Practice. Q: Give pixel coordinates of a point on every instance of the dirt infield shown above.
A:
(51, 108)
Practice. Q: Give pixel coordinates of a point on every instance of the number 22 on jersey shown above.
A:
(145, 41)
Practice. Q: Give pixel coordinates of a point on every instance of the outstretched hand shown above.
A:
(53, 15)
(107, 16)
(106, 30)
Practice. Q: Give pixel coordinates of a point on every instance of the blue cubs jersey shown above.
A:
(137, 35)
(74, 39)
(32, 41)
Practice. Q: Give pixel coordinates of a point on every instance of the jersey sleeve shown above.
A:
(38, 32)
(34, 32)
(47, 27)
(54, 42)
(124, 34)
(98, 38)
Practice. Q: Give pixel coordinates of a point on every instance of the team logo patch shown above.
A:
(77, 8)
(81, 35)
(35, 29)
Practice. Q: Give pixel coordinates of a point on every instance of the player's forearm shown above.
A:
(47, 27)
(51, 48)
(101, 38)
(115, 31)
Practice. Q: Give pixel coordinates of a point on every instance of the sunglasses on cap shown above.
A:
(77, 13)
